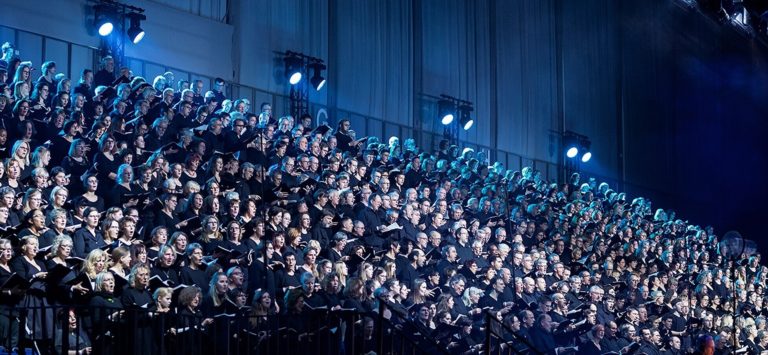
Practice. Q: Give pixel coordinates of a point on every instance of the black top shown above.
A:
(84, 241)
(194, 277)
(133, 297)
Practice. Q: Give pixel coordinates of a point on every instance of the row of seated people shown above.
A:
(275, 215)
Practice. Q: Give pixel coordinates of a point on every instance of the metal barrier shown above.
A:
(398, 334)
(500, 339)
(103, 330)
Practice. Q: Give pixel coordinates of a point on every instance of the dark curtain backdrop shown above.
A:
(695, 110)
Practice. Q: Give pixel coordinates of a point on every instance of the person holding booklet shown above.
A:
(107, 315)
(137, 300)
(190, 326)
(36, 297)
(444, 223)
(12, 288)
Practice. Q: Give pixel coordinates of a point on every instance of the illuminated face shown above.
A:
(142, 277)
(168, 257)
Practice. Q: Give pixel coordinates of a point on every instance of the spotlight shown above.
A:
(586, 154)
(103, 21)
(317, 80)
(465, 119)
(446, 111)
(577, 145)
(135, 32)
(572, 152)
(293, 66)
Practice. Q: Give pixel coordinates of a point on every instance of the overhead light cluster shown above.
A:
(449, 107)
(298, 65)
(577, 146)
(749, 17)
(109, 15)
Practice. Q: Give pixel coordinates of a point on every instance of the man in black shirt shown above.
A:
(612, 341)
(373, 225)
(84, 86)
(679, 322)
(409, 272)
(105, 76)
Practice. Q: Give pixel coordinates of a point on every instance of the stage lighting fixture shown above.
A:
(103, 21)
(446, 111)
(586, 153)
(317, 80)
(293, 67)
(135, 32)
(572, 152)
(572, 144)
(465, 119)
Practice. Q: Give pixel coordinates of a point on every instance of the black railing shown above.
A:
(55, 329)
(104, 330)
(399, 334)
(501, 339)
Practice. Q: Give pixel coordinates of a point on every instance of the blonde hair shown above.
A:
(217, 301)
(205, 236)
(361, 270)
(25, 241)
(314, 244)
(162, 292)
(390, 268)
(23, 163)
(338, 267)
(89, 266)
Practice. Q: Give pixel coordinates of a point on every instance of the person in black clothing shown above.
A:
(76, 163)
(612, 341)
(648, 344)
(542, 337)
(35, 272)
(287, 277)
(167, 216)
(373, 224)
(505, 220)
(673, 347)
(84, 85)
(136, 299)
(593, 345)
(106, 313)
(194, 272)
(9, 298)
(78, 341)
(106, 75)
(88, 237)
(190, 326)
(344, 141)
(165, 267)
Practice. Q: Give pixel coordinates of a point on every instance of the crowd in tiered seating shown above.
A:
(125, 193)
